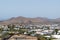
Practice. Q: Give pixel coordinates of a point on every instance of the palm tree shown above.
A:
(1, 29)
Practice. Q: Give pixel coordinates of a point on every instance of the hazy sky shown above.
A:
(29, 8)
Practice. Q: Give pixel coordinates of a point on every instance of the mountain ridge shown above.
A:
(21, 19)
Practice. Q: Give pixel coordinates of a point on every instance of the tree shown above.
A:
(48, 28)
(1, 29)
(11, 26)
(31, 32)
(21, 31)
(56, 30)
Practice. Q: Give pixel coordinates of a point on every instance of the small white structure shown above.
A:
(25, 32)
(40, 33)
(56, 36)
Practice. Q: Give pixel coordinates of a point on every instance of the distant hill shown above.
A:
(37, 20)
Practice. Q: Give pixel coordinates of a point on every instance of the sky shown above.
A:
(29, 8)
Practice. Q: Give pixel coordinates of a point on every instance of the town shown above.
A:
(29, 32)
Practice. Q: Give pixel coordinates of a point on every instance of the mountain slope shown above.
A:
(37, 20)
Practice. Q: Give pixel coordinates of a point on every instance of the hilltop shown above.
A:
(25, 20)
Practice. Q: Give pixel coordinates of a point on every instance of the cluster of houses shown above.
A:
(48, 30)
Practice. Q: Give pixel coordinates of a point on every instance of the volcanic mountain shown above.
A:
(37, 20)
